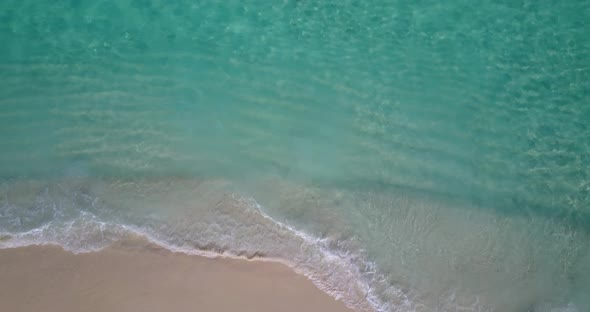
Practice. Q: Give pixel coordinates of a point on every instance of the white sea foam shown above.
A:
(424, 259)
(336, 272)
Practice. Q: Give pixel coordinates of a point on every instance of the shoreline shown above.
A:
(145, 277)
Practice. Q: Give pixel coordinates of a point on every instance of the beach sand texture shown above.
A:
(132, 277)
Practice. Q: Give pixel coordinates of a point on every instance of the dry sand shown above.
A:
(141, 277)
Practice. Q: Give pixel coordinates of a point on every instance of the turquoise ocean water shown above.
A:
(406, 156)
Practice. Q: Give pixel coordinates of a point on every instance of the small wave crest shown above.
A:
(238, 227)
(421, 263)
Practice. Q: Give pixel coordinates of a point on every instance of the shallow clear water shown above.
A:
(406, 156)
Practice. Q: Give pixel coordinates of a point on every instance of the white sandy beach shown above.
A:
(143, 277)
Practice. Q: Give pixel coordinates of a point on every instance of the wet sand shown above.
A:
(143, 277)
